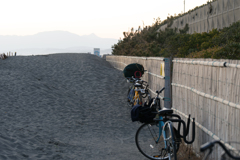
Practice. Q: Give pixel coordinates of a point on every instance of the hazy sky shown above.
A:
(105, 18)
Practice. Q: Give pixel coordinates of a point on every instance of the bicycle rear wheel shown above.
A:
(149, 143)
(129, 97)
(169, 138)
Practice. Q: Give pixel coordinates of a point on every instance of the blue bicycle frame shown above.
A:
(160, 126)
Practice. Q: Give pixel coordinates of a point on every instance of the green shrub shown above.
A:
(149, 41)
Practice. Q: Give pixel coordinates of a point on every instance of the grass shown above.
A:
(185, 152)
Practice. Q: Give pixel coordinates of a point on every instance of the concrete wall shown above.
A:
(218, 14)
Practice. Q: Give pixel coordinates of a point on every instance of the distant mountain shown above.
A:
(54, 42)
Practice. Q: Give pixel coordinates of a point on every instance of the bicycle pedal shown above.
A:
(157, 156)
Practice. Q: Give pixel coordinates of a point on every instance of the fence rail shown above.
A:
(209, 63)
(209, 96)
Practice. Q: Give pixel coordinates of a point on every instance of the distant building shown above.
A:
(96, 51)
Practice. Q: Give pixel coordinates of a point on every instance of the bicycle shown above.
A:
(209, 146)
(159, 140)
(137, 92)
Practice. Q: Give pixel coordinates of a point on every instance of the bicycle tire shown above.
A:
(129, 103)
(145, 139)
(170, 140)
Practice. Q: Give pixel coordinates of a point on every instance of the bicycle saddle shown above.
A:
(165, 112)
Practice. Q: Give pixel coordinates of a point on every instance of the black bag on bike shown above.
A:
(133, 70)
(147, 114)
(135, 112)
(144, 113)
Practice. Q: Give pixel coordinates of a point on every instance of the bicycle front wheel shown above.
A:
(150, 142)
(169, 139)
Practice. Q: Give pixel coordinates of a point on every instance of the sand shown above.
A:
(64, 106)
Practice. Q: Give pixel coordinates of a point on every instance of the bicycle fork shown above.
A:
(161, 124)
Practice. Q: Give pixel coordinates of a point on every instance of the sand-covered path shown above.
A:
(64, 106)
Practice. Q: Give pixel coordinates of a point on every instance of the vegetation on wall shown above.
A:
(150, 41)
(216, 44)
(224, 44)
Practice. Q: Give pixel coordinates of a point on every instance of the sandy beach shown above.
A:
(64, 106)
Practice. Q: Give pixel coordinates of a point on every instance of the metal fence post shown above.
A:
(167, 91)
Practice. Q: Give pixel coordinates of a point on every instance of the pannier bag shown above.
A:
(147, 114)
(135, 112)
(144, 113)
(133, 70)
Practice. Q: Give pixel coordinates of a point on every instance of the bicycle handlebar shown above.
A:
(136, 80)
(154, 101)
(209, 145)
(158, 92)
